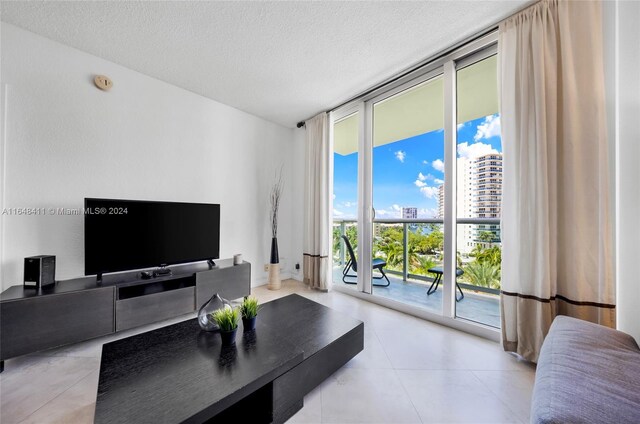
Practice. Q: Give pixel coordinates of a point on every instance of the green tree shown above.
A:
(422, 263)
(389, 245)
(351, 231)
(486, 237)
(492, 256)
(482, 274)
(431, 243)
(336, 243)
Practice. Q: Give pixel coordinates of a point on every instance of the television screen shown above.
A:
(122, 235)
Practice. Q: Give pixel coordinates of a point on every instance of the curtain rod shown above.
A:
(425, 62)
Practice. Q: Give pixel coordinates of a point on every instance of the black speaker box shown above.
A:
(40, 271)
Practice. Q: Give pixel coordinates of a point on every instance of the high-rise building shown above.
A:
(464, 196)
(478, 195)
(488, 193)
(409, 213)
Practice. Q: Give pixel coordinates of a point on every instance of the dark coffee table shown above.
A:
(180, 374)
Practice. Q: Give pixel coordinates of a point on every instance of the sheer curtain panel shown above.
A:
(556, 230)
(317, 204)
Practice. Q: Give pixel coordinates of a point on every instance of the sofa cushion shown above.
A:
(586, 373)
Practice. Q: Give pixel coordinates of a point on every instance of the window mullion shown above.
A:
(450, 132)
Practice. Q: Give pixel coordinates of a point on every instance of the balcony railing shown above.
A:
(491, 225)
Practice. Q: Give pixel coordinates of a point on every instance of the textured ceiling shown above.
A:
(283, 61)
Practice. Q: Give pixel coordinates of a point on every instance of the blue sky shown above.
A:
(407, 173)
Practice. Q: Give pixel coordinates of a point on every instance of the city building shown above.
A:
(487, 193)
(479, 193)
(464, 194)
(409, 213)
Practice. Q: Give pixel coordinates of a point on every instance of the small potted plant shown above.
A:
(227, 319)
(249, 310)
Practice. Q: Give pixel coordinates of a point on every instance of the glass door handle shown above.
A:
(374, 213)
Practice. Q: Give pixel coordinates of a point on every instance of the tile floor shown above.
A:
(411, 371)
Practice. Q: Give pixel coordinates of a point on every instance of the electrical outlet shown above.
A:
(266, 267)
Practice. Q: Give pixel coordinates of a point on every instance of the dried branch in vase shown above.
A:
(276, 195)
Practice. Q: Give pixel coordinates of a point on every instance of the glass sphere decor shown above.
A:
(205, 318)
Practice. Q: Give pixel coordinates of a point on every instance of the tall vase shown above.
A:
(274, 267)
(275, 258)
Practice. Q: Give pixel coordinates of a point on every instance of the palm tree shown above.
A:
(336, 243)
(486, 239)
(394, 252)
(421, 264)
(492, 255)
(482, 274)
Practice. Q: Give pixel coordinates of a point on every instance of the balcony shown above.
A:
(412, 246)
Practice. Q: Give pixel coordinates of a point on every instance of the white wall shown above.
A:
(63, 140)
(627, 126)
(297, 186)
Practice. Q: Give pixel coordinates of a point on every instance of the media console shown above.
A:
(80, 309)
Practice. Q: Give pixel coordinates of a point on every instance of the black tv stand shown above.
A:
(211, 263)
(163, 271)
(80, 309)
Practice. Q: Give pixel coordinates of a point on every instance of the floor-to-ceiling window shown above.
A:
(478, 189)
(345, 196)
(417, 187)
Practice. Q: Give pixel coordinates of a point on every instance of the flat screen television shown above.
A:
(122, 235)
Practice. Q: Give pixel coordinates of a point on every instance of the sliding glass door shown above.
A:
(407, 181)
(417, 189)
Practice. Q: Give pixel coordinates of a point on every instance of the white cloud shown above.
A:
(429, 177)
(425, 162)
(336, 212)
(490, 127)
(429, 192)
(459, 126)
(475, 150)
(427, 213)
(438, 165)
(396, 208)
(391, 212)
(420, 182)
(348, 204)
(400, 155)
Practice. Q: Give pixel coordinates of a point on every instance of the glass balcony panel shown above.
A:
(479, 257)
(410, 250)
(341, 255)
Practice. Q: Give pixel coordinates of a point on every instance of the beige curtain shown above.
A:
(317, 204)
(556, 230)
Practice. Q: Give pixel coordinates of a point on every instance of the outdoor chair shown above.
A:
(437, 271)
(377, 264)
